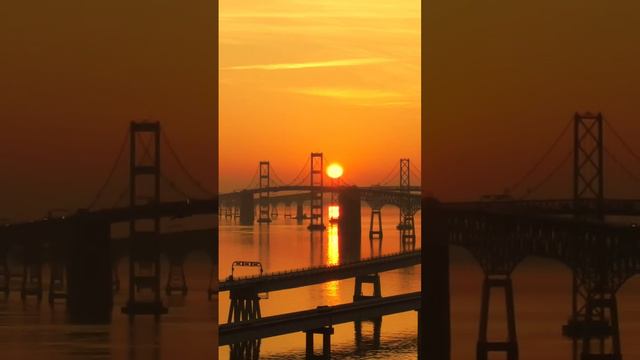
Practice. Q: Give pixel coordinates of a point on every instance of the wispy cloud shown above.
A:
(348, 94)
(312, 64)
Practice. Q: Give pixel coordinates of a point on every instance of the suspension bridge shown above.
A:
(499, 231)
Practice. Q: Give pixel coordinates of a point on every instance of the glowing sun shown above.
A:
(335, 170)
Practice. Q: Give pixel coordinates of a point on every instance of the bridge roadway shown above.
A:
(313, 319)
(178, 209)
(611, 207)
(316, 275)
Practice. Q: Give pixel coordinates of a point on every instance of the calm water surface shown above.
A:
(542, 295)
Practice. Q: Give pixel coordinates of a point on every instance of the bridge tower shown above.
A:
(588, 165)
(144, 246)
(406, 225)
(594, 315)
(263, 194)
(317, 182)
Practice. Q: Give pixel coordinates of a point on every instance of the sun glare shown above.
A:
(335, 170)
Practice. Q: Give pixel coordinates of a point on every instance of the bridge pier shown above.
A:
(5, 274)
(374, 280)
(274, 212)
(510, 345)
(57, 282)
(176, 281)
(377, 327)
(246, 208)
(287, 211)
(32, 270)
(326, 333)
(592, 324)
(244, 305)
(300, 212)
(375, 229)
(31, 281)
(89, 291)
(115, 277)
(408, 233)
(350, 226)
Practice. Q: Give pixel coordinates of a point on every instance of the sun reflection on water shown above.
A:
(333, 258)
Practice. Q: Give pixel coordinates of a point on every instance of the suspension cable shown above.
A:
(549, 176)
(621, 139)
(628, 171)
(111, 172)
(184, 169)
(546, 154)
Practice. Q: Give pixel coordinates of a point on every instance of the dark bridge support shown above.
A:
(57, 282)
(434, 324)
(246, 350)
(246, 208)
(244, 305)
(377, 327)
(300, 212)
(32, 270)
(374, 280)
(358, 295)
(510, 345)
(593, 324)
(350, 225)
(89, 294)
(5, 274)
(176, 281)
(375, 229)
(326, 333)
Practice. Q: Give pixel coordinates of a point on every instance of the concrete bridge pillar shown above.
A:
(32, 268)
(5, 274)
(287, 211)
(244, 305)
(375, 229)
(89, 295)
(57, 282)
(350, 222)
(326, 333)
(246, 208)
(510, 345)
(434, 324)
(300, 212)
(176, 281)
(374, 280)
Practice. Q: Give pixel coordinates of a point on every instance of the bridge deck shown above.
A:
(316, 275)
(316, 318)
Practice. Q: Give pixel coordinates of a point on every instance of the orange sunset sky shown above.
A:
(343, 77)
(338, 77)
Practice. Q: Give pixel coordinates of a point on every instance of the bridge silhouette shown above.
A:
(499, 232)
(75, 244)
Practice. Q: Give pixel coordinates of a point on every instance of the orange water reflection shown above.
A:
(332, 288)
